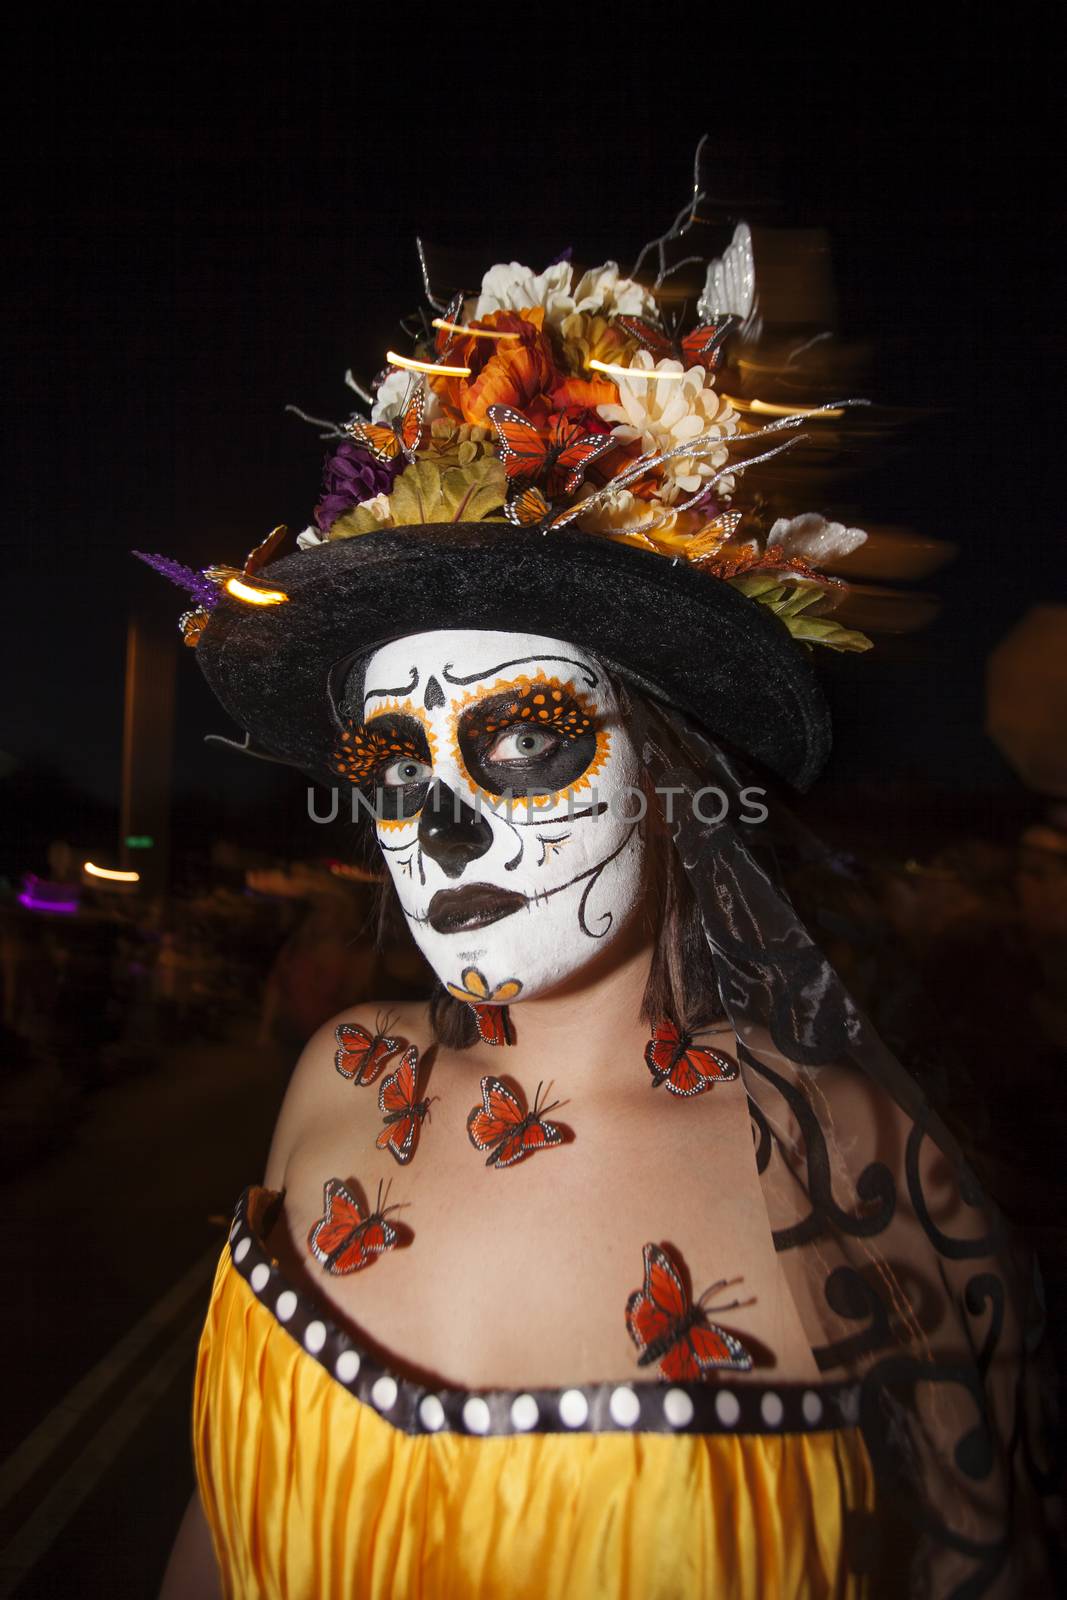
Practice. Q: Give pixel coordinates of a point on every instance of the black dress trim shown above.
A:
(643, 1406)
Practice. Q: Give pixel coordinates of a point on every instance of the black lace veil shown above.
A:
(905, 1275)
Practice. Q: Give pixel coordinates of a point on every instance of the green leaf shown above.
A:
(358, 520)
(427, 492)
(794, 601)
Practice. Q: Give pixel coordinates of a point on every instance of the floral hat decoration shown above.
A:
(554, 453)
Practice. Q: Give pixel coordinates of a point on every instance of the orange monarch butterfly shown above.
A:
(560, 460)
(686, 1068)
(494, 1024)
(668, 1329)
(361, 1055)
(510, 1134)
(700, 348)
(402, 1112)
(344, 1240)
(402, 436)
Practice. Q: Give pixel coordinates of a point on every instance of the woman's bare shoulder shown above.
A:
(319, 1092)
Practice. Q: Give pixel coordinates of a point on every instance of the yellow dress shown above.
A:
(326, 1477)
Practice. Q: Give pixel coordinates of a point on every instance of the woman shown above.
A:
(633, 1265)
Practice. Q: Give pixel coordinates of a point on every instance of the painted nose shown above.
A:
(451, 832)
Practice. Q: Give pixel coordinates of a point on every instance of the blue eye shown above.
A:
(406, 770)
(522, 744)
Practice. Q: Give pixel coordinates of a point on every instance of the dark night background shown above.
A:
(206, 225)
(211, 213)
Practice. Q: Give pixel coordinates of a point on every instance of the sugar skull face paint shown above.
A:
(506, 789)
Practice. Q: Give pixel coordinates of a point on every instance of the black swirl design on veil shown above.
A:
(970, 1193)
(763, 1129)
(875, 1188)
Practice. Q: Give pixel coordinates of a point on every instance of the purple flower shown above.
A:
(203, 591)
(350, 475)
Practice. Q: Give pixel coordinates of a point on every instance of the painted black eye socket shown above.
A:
(535, 739)
(388, 759)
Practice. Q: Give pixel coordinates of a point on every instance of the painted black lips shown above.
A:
(476, 906)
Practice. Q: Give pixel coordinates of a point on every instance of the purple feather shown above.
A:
(564, 255)
(203, 591)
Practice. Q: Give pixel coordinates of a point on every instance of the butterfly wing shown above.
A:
(361, 1055)
(396, 1098)
(397, 1091)
(659, 1307)
(411, 423)
(498, 1115)
(384, 444)
(697, 1069)
(265, 551)
(573, 453)
(532, 1136)
(522, 449)
(660, 1051)
(648, 337)
(528, 508)
(494, 1025)
(335, 1240)
(401, 1137)
(703, 346)
(710, 1346)
(375, 1236)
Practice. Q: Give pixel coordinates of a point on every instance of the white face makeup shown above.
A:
(505, 899)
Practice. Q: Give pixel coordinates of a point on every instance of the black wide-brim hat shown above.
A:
(678, 634)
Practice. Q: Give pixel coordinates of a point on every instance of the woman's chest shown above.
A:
(522, 1275)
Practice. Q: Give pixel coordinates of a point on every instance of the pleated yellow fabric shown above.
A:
(311, 1495)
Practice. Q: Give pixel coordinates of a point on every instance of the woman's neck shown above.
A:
(586, 1035)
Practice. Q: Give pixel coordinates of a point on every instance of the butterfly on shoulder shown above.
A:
(686, 1068)
(402, 436)
(557, 458)
(673, 1331)
(702, 347)
(402, 1112)
(360, 1054)
(510, 1133)
(344, 1239)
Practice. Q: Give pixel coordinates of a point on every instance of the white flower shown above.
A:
(378, 507)
(392, 397)
(660, 415)
(621, 511)
(309, 539)
(813, 538)
(602, 290)
(512, 287)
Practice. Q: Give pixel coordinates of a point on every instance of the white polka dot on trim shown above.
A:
(260, 1276)
(727, 1408)
(384, 1392)
(476, 1414)
(346, 1367)
(235, 1227)
(285, 1305)
(524, 1412)
(315, 1336)
(242, 1249)
(573, 1408)
(431, 1412)
(678, 1408)
(811, 1406)
(771, 1409)
(624, 1406)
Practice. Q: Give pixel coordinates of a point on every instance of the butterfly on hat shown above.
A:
(543, 465)
(702, 347)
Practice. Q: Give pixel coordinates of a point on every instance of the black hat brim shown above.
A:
(689, 639)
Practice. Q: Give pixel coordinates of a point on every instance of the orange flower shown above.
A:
(588, 393)
(510, 372)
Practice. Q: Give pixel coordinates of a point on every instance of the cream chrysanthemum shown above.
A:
(660, 416)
